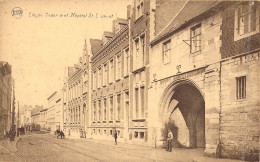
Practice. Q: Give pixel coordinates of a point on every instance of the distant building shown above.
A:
(36, 116)
(43, 119)
(54, 111)
(6, 90)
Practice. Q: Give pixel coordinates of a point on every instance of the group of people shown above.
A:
(60, 133)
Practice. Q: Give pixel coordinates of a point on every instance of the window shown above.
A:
(136, 53)
(195, 44)
(105, 75)
(111, 108)
(105, 109)
(119, 66)
(111, 71)
(95, 109)
(126, 62)
(99, 77)
(247, 17)
(166, 51)
(136, 103)
(139, 48)
(241, 87)
(79, 115)
(142, 51)
(94, 80)
(142, 101)
(111, 132)
(139, 8)
(105, 131)
(142, 135)
(136, 135)
(99, 110)
(118, 106)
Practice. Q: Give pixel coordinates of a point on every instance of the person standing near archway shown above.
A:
(169, 139)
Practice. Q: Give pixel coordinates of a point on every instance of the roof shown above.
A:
(96, 44)
(109, 34)
(52, 95)
(122, 21)
(36, 110)
(190, 10)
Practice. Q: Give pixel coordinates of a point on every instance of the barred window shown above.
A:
(241, 87)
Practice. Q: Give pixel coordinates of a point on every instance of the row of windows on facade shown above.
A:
(75, 91)
(105, 109)
(136, 134)
(111, 71)
(246, 22)
(74, 115)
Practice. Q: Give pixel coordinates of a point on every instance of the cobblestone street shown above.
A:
(46, 147)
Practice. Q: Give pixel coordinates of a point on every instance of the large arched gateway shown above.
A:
(183, 108)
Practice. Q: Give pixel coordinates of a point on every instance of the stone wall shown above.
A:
(239, 126)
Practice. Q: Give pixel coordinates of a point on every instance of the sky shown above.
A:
(39, 43)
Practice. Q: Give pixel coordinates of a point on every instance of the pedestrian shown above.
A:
(4, 134)
(169, 139)
(115, 135)
(62, 134)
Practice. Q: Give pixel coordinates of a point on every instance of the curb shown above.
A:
(15, 146)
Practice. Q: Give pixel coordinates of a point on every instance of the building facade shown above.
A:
(54, 112)
(6, 90)
(43, 119)
(73, 125)
(204, 70)
(110, 83)
(188, 66)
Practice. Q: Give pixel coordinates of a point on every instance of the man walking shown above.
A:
(169, 139)
(115, 135)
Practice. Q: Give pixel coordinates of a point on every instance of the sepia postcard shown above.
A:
(129, 80)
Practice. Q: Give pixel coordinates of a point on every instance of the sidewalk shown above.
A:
(160, 154)
(7, 149)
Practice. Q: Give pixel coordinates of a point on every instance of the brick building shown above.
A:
(139, 70)
(204, 67)
(110, 64)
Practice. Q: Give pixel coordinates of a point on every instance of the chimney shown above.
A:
(128, 11)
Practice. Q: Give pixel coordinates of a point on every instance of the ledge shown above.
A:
(139, 69)
(138, 119)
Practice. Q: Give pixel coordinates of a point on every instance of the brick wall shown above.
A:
(229, 46)
(239, 120)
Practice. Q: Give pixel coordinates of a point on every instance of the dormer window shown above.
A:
(139, 8)
(246, 20)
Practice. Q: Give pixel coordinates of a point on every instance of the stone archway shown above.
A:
(183, 108)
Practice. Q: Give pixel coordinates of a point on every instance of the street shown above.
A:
(46, 147)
